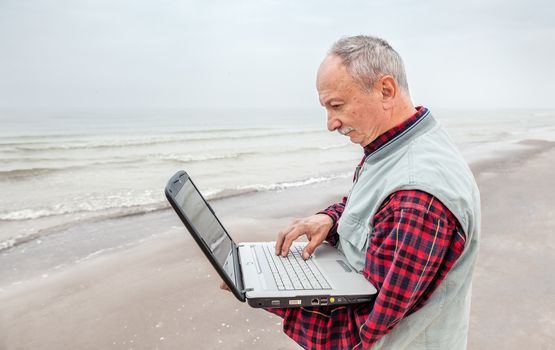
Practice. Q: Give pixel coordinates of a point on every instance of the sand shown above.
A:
(161, 294)
(513, 303)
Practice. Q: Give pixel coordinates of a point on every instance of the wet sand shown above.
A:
(161, 294)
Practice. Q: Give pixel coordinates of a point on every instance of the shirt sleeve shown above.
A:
(415, 242)
(334, 211)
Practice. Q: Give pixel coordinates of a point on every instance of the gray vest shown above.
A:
(423, 157)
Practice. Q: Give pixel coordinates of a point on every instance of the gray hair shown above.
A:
(369, 58)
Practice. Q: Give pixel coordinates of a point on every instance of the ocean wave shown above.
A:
(188, 158)
(213, 194)
(19, 139)
(26, 172)
(37, 159)
(285, 185)
(35, 168)
(46, 138)
(148, 200)
(148, 141)
(22, 173)
(63, 209)
(100, 208)
(89, 203)
(41, 233)
(325, 148)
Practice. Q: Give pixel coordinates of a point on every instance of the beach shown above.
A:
(157, 291)
(512, 304)
(160, 294)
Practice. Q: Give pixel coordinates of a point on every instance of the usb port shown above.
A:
(275, 303)
(323, 301)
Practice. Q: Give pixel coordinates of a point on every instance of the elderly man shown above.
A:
(411, 221)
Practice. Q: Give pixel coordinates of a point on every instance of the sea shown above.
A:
(58, 171)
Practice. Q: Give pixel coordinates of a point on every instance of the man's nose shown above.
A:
(333, 123)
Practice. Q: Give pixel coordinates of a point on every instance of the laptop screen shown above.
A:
(205, 223)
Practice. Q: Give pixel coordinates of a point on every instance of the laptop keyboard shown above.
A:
(293, 272)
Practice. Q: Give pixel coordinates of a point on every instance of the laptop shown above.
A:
(252, 270)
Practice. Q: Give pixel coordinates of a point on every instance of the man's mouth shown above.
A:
(345, 131)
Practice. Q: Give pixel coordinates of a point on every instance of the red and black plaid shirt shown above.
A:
(415, 242)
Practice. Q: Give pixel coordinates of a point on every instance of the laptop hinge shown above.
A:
(238, 271)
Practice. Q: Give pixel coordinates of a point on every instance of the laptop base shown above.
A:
(305, 301)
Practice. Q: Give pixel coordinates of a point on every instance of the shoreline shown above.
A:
(146, 295)
(55, 225)
(58, 224)
(117, 234)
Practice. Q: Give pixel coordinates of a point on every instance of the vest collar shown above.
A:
(421, 126)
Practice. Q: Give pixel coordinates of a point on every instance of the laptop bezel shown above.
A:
(173, 187)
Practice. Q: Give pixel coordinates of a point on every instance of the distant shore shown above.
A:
(161, 293)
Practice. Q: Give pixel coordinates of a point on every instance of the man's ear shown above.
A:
(389, 91)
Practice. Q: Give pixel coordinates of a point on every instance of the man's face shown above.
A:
(352, 110)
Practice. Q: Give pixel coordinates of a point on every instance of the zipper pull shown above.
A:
(357, 173)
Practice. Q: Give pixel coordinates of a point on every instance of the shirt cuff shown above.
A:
(332, 237)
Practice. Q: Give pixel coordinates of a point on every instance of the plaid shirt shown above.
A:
(416, 241)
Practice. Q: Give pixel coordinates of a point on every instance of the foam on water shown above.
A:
(89, 203)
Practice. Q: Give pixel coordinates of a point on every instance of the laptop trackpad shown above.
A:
(335, 266)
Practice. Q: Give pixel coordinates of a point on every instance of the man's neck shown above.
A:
(401, 112)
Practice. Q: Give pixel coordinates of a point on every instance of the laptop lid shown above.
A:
(203, 225)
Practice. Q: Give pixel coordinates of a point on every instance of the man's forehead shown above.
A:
(333, 78)
(331, 66)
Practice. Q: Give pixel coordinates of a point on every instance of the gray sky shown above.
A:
(155, 55)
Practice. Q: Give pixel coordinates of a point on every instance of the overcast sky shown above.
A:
(64, 55)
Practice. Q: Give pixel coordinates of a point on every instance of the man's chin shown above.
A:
(359, 140)
(354, 139)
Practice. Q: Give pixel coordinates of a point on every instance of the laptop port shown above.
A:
(315, 302)
(324, 301)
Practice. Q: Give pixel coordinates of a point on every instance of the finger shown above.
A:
(281, 238)
(289, 238)
(310, 248)
(224, 286)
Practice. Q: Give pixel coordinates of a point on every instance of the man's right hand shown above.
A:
(315, 227)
